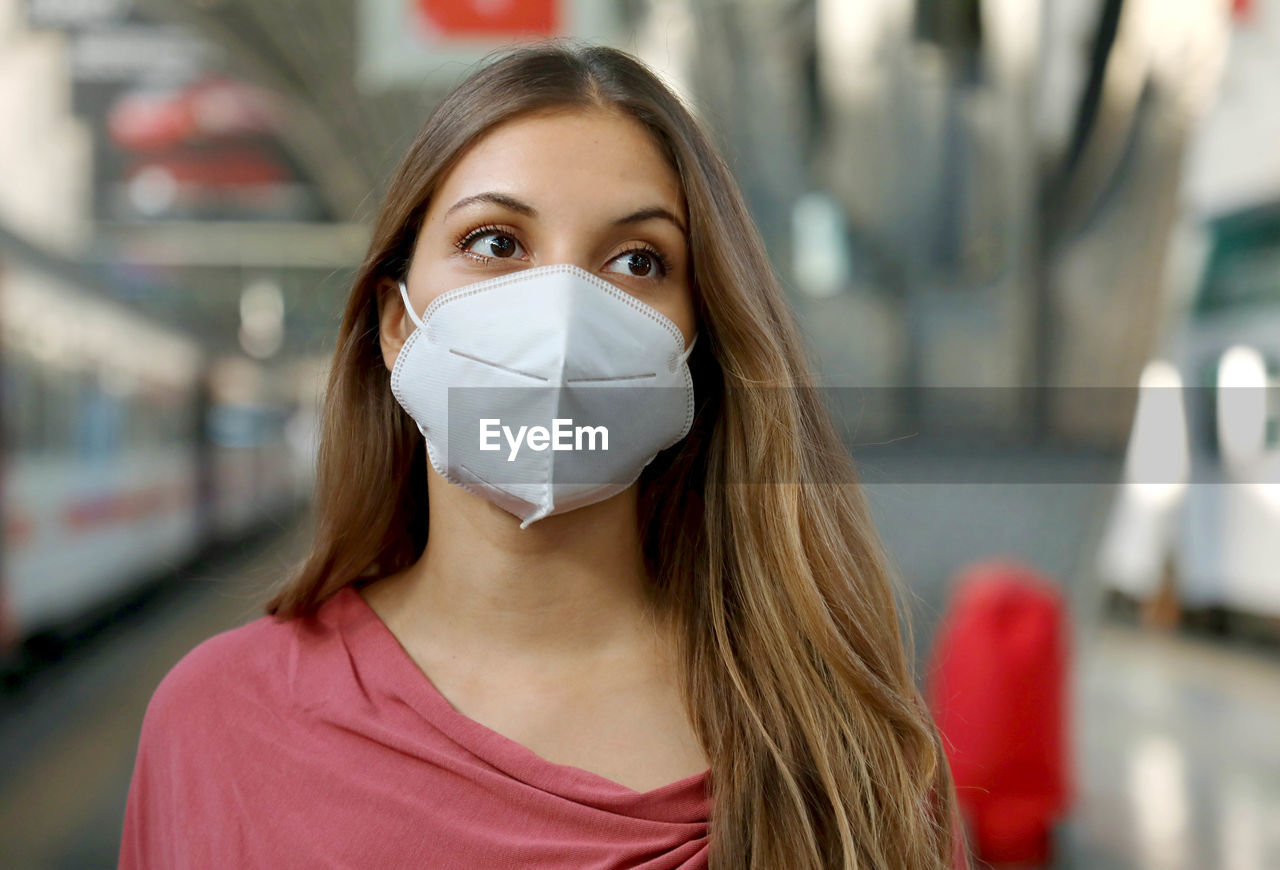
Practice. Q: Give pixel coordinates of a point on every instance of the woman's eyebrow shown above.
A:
(650, 213)
(516, 205)
(501, 199)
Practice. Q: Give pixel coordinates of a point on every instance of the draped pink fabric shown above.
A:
(320, 744)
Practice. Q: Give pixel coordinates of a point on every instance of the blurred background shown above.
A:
(1034, 246)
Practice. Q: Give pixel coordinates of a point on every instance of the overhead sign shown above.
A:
(416, 43)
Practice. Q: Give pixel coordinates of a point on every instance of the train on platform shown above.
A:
(1194, 533)
(127, 451)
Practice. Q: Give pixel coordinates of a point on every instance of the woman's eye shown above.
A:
(491, 244)
(639, 264)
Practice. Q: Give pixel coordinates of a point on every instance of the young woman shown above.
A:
(675, 648)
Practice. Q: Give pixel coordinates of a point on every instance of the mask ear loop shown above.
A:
(404, 294)
(684, 356)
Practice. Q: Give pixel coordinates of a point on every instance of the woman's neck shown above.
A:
(570, 588)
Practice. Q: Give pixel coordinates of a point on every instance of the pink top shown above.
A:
(321, 744)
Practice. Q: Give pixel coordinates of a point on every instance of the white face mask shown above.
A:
(544, 390)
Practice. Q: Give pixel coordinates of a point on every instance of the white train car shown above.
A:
(1198, 517)
(98, 474)
(125, 450)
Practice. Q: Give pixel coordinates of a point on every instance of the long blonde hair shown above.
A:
(757, 537)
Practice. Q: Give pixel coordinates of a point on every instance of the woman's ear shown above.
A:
(394, 325)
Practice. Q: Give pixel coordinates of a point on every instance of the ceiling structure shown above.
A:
(348, 140)
(345, 140)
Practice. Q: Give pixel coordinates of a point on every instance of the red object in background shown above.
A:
(998, 690)
(1242, 8)
(480, 18)
(142, 120)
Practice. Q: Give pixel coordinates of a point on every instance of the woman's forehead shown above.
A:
(582, 156)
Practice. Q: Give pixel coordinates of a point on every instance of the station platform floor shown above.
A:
(1176, 740)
